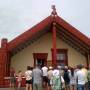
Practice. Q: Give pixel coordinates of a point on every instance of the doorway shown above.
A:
(40, 62)
(40, 59)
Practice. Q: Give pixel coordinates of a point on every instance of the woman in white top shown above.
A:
(28, 75)
(72, 79)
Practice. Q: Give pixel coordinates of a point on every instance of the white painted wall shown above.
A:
(43, 45)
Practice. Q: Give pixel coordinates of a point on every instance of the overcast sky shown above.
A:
(16, 16)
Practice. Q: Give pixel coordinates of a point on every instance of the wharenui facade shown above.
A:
(53, 41)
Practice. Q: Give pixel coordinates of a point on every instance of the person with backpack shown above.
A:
(56, 80)
(67, 78)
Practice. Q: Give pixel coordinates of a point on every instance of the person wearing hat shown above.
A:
(50, 74)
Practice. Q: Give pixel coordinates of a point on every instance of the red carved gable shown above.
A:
(48, 21)
(72, 30)
(29, 33)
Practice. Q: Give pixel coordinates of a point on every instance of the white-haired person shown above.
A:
(61, 71)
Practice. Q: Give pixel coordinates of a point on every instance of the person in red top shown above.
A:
(12, 78)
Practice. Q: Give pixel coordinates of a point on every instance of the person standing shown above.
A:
(80, 76)
(56, 80)
(12, 78)
(45, 77)
(73, 80)
(61, 72)
(88, 77)
(50, 75)
(37, 78)
(85, 71)
(28, 75)
(67, 78)
(19, 79)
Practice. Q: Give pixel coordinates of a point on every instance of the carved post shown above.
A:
(54, 57)
(54, 51)
(3, 60)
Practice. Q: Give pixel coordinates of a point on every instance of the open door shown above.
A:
(40, 59)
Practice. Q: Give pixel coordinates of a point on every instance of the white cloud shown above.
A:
(16, 16)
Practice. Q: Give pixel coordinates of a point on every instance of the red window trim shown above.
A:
(62, 50)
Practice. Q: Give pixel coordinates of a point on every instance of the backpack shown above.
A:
(88, 75)
(56, 83)
(66, 77)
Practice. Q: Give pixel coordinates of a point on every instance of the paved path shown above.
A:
(23, 88)
(15, 89)
(10, 89)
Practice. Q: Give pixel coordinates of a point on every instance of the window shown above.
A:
(60, 56)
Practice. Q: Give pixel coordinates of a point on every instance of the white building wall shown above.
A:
(43, 45)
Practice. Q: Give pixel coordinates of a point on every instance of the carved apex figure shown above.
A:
(54, 13)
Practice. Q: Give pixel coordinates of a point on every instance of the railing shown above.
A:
(7, 81)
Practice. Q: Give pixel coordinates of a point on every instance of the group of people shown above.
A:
(54, 78)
